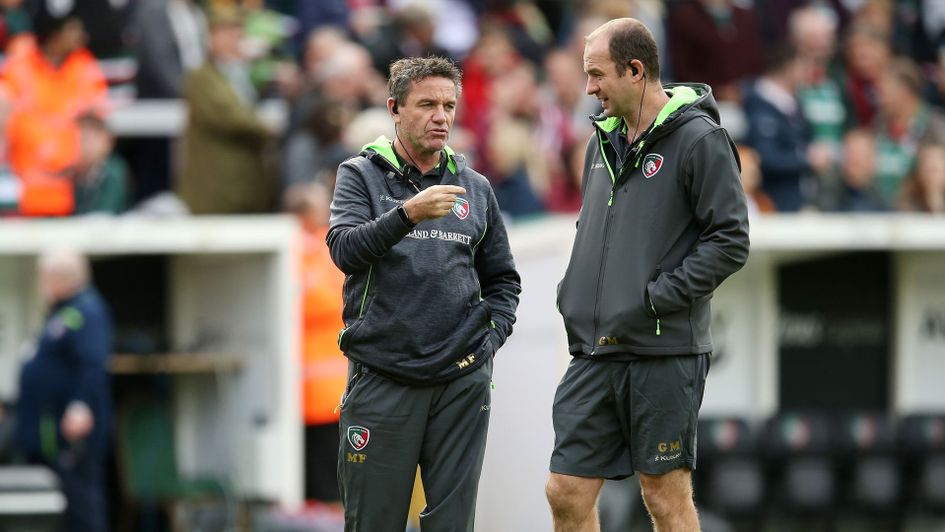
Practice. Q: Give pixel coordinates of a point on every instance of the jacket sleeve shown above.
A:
(498, 279)
(718, 205)
(355, 238)
(90, 348)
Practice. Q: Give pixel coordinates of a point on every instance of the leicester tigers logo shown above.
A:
(358, 437)
(652, 164)
(461, 208)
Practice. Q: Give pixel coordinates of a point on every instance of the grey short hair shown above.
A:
(404, 72)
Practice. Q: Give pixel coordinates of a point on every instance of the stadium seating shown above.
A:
(922, 444)
(729, 475)
(818, 469)
(869, 464)
(799, 453)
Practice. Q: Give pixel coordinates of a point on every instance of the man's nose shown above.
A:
(590, 87)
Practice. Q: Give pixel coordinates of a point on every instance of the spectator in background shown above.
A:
(924, 191)
(905, 121)
(717, 42)
(778, 131)
(456, 24)
(100, 176)
(344, 77)
(518, 171)
(492, 56)
(518, 175)
(227, 166)
(52, 81)
(324, 368)
(564, 90)
(866, 56)
(317, 145)
(408, 34)
(14, 22)
(857, 173)
(758, 201)
(322, 14)
(169, 41)
(104, 21)
(813, 33)
(320, 45)
(64, 407)
(564, 189)
(776, 16)
(525, 25)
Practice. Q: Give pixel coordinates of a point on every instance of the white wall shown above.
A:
(919, 379)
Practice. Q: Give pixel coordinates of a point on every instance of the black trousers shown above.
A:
(82, 477)
(388, 429)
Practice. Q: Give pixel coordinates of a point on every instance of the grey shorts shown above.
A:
(613, 418)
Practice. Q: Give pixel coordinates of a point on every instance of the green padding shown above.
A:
(149, 461)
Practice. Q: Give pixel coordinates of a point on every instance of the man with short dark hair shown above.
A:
(663, 223)
(430, 294)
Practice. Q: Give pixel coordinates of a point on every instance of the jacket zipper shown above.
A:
(600, 273)
(604, 249)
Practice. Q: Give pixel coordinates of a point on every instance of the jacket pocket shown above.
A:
(357, 375)
(648, 306)
(347, 335)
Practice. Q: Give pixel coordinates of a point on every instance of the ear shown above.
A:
(392, 108)
(636, 68)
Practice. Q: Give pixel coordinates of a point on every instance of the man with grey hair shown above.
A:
(64, 404)
(429, 296)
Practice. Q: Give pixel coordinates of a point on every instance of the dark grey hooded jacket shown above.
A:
(426, 304)
(661, 226)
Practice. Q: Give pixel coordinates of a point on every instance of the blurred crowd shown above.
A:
(836, 105)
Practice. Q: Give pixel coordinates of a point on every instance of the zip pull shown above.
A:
(610, 201)
(653, 308)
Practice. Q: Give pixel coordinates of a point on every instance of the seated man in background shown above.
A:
(100, 176)
(64, 404)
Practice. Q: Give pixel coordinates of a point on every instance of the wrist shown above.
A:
(405, 216)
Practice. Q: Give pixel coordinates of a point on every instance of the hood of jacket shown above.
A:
(381, 153)
(687, 101)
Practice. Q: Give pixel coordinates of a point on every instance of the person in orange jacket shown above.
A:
(52, 80)
(324, 368)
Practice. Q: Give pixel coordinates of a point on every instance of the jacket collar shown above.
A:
(381, 152)
(683, 98)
